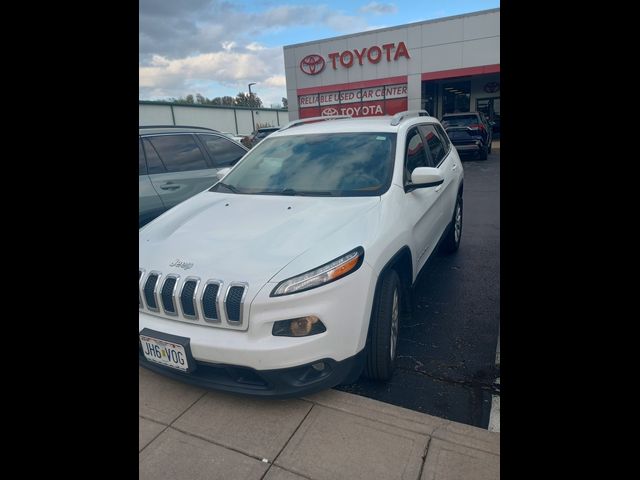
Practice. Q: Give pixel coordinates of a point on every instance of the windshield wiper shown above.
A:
(231, 188)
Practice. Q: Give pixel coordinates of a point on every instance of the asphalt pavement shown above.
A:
(447, 348)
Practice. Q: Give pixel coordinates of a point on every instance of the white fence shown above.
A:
(225, 119)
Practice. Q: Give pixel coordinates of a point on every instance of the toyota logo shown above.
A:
(492, 87)
(329, 112)
(312, 64)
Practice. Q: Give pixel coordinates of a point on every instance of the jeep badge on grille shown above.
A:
(180, 264)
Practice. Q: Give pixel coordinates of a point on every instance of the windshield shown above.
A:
(460, 121)
(337, 164)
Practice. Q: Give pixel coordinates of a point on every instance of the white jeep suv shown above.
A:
(288, 276)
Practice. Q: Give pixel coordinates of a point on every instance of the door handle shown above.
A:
(455, 165)
(169, 186)
(438, 188)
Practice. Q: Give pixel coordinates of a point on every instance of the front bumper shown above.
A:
(344, 307)
(277, 383)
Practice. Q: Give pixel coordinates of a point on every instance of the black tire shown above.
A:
(490, 145)
(451, 242)
(483, 153)
(380, 357)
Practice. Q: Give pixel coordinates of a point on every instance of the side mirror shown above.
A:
(424, 177)
(222, 172)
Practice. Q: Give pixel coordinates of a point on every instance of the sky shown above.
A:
(217, 48)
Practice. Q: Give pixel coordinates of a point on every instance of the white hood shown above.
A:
(247, 238)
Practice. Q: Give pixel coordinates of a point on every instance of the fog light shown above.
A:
(318, 366)
(298, 327)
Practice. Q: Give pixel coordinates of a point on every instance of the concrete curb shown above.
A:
(186, 432)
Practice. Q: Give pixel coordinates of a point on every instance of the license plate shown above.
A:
(165, 353)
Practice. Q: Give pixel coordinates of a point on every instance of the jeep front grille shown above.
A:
(210, 302)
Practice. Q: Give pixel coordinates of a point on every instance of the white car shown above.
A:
(236, 138)
(288, 276)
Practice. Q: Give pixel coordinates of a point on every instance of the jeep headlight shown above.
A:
(327, 273)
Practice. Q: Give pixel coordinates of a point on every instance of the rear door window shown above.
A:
(222, 151)
(179, 153)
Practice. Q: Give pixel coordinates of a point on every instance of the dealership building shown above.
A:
(444, 66)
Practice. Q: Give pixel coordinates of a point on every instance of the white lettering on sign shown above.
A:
(356, 110)
(356, 96)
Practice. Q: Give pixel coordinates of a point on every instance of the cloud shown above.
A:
(255, 47)
(225, 67)
(206, 44)
(276, 81)
(169, 29)
(378, 8)
(346, 23)
(228, 46)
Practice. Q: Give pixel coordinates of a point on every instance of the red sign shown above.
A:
(312, 64)
(365, 109)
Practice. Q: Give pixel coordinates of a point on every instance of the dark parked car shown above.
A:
(260, 134)
(470, 132)
(177, 162)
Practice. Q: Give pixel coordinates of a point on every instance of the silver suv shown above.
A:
(176, 162)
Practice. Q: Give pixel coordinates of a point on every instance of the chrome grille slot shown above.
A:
(140, 272)
(150, 291)
(166, 295)
(233, 302)
(188, 297)
(210, 301)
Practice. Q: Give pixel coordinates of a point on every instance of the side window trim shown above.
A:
(205, 151)
(207, 160)
(144, 147)
(428, 150)
(444, 138)
(224, 139)
(144, 157)
(427, 153)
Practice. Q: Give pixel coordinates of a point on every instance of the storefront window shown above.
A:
(456, 97)
(430, 97)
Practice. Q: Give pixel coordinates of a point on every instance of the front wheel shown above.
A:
(452, 240)
(383, 339)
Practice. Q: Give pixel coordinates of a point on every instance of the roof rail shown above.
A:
(177, 126)
(398, 117)
(313, 119)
